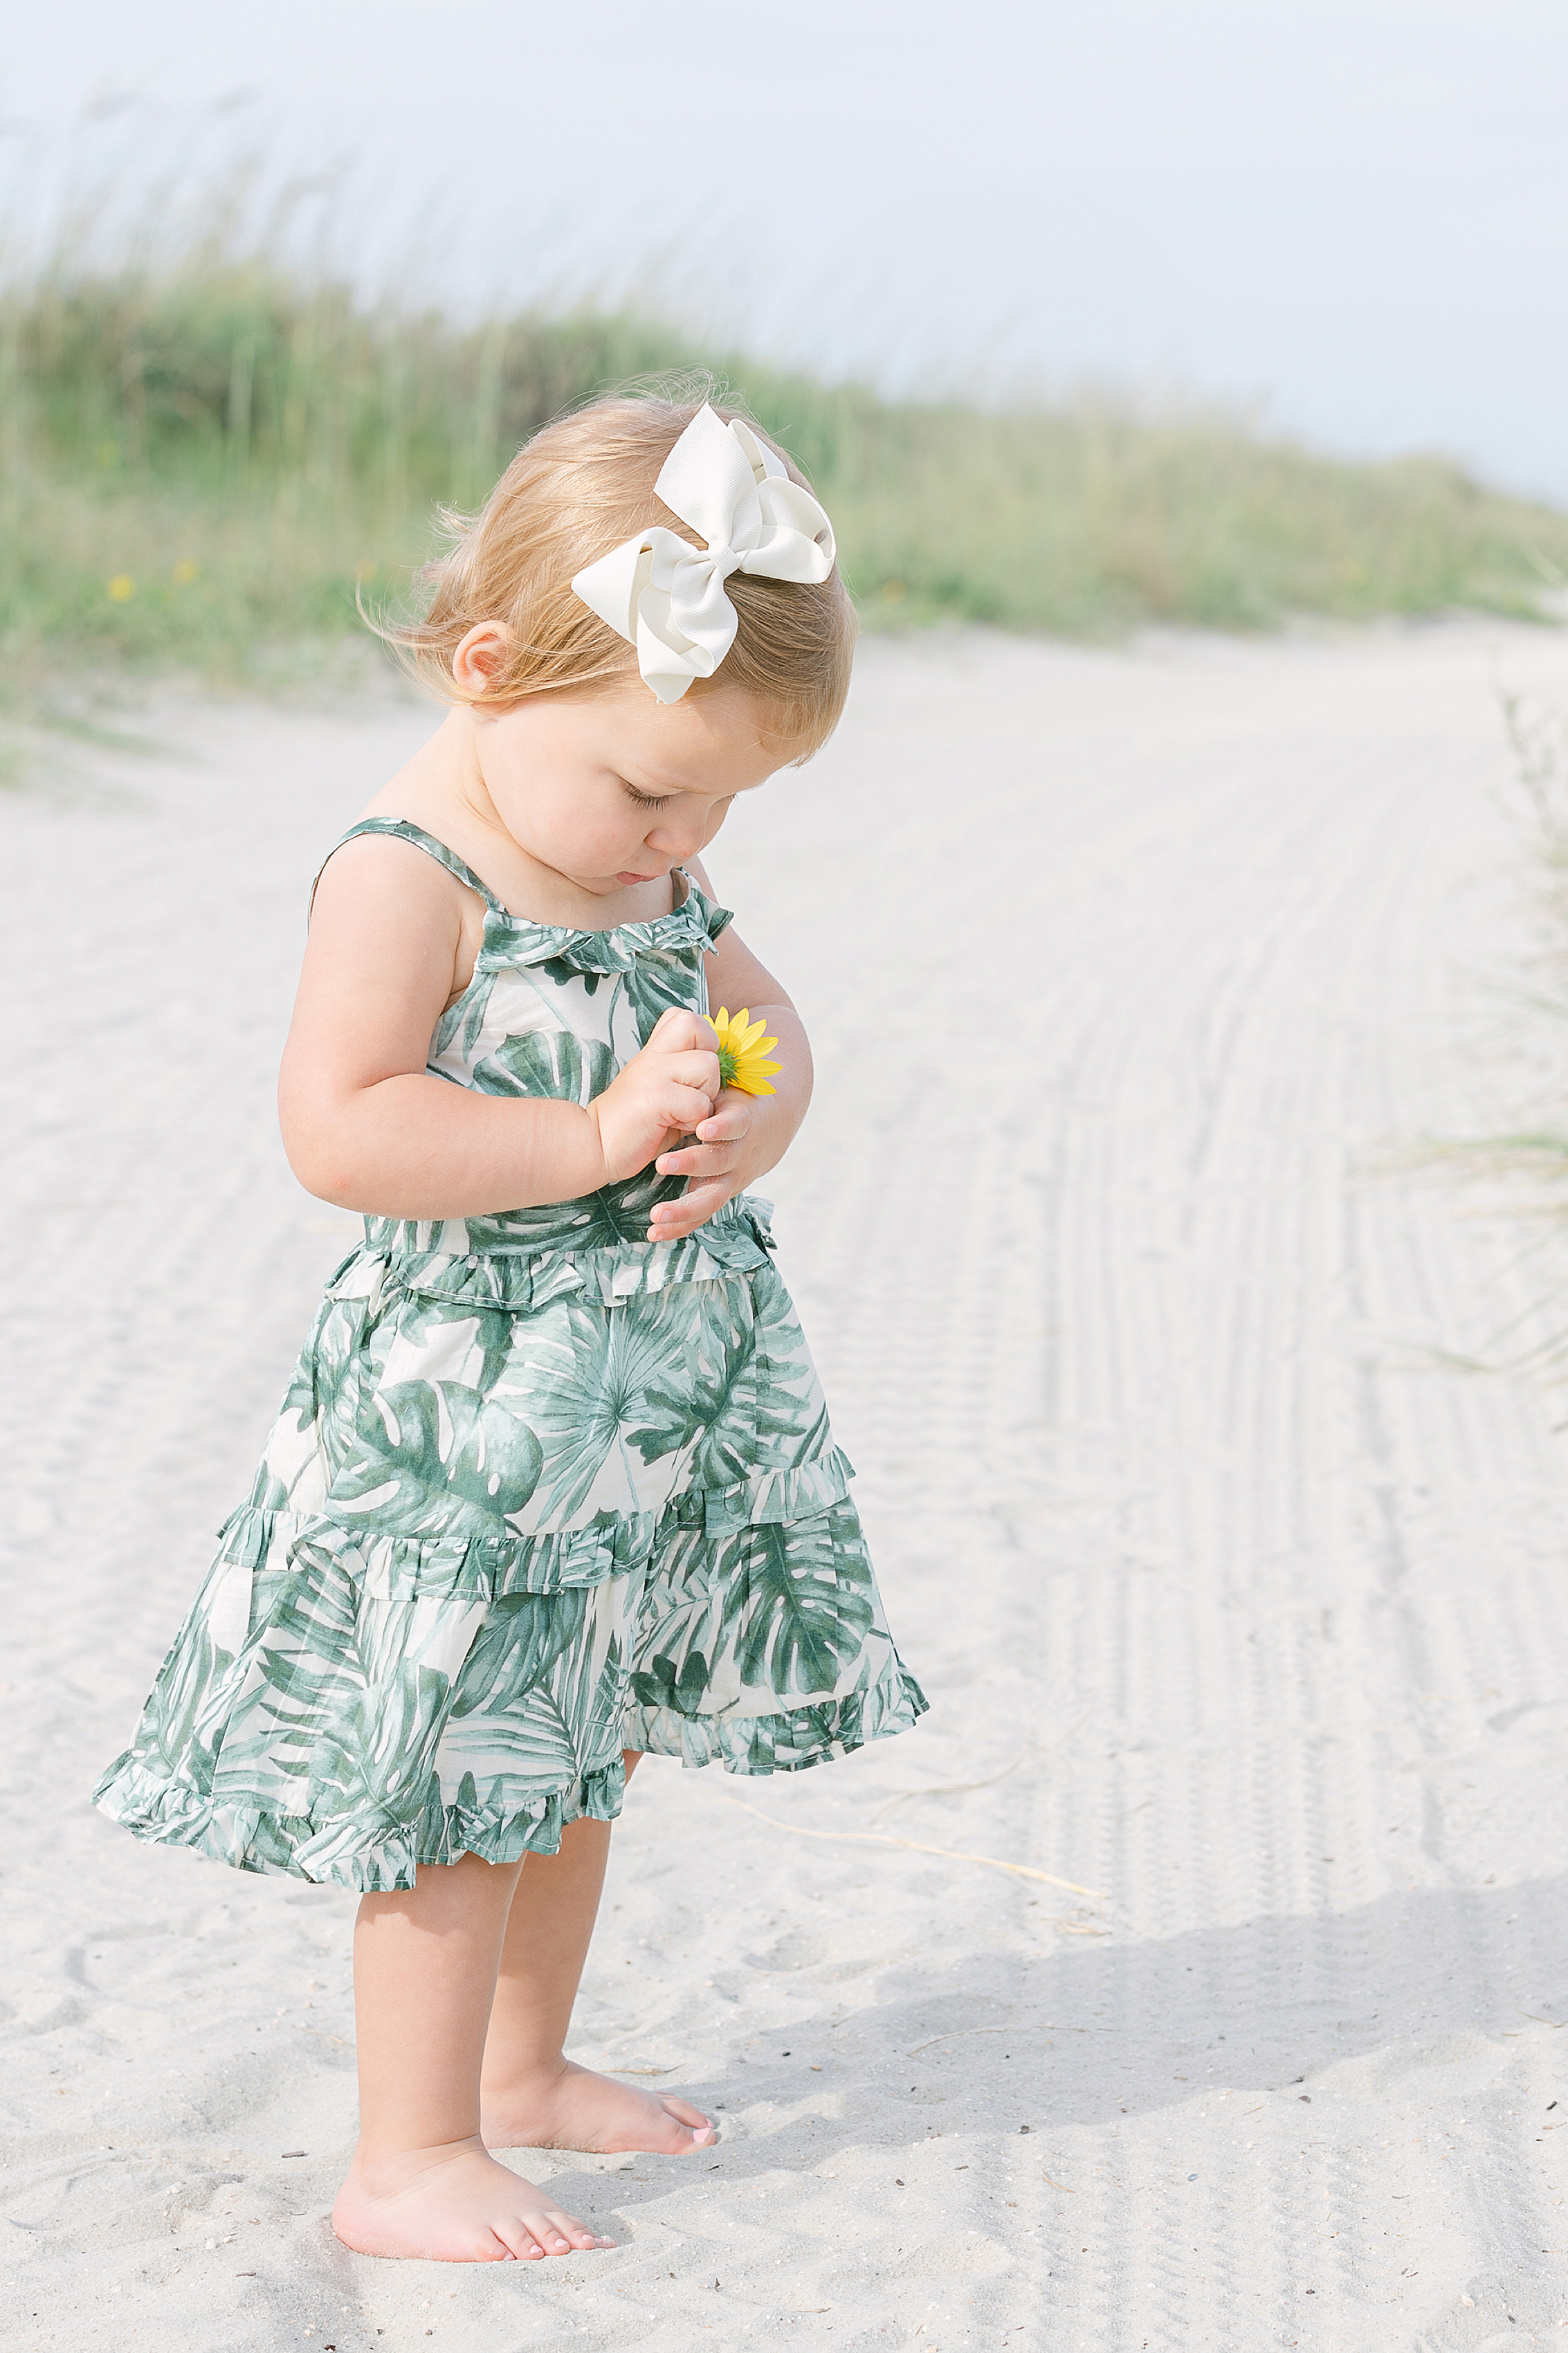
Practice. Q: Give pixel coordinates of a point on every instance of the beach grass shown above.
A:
(1538, 736)
(202, 460)
(1522, 1164)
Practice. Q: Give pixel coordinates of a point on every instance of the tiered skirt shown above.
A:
(521, 1511)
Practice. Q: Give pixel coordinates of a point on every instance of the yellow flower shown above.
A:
(187, 570)
(121, 587)
(742, 1046)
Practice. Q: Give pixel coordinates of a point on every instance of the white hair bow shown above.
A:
(668, 597)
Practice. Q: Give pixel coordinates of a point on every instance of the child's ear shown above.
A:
(478, 656)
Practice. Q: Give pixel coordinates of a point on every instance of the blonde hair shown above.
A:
(581, 486)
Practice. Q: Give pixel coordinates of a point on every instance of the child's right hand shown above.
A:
(665, 1093)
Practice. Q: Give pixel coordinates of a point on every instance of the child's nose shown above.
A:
(677, 839)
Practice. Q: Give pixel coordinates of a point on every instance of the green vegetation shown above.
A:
(199, 462)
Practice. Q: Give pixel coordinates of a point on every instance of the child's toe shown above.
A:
(558, 2232)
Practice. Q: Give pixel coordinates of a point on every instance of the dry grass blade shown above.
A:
(962, 1789)
(1530, 1155)
(955, 1789)
(955, 2033)
(948, 1854)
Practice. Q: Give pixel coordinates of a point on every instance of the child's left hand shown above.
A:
(717, 1164)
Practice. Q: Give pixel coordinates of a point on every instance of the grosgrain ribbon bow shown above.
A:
(667, 598)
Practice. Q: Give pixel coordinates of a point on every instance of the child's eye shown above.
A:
(649, 800)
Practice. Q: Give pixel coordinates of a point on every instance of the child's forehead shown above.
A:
(681, 747)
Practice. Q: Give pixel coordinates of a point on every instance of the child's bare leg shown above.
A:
(533, 2096)
(422, 2181)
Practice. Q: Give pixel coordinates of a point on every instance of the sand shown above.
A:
(1237, 1594)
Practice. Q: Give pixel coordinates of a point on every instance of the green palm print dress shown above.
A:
(540, 1489)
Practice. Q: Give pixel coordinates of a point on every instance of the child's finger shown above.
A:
(729, 1123)
(697, 1160)
(696, 1069)
(676, 1032)
(682, 1108)
(671, 1219)
(699, 1200)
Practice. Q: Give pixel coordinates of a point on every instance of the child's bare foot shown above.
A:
(452, 2205)
(571, 2107)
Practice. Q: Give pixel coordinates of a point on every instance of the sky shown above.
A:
(1349, 216)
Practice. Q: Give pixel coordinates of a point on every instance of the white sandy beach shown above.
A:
(1237, 1598)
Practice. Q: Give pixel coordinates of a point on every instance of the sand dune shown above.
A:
(1238, 1601)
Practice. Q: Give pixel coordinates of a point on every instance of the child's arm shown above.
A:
(365, 1125)
(745, 1136)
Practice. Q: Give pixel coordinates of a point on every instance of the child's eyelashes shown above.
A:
(649, 800)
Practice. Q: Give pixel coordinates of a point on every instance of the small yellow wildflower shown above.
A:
(742, 1046)
(122, 589)
(185, 571)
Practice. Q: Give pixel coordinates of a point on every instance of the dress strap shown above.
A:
(399, 828)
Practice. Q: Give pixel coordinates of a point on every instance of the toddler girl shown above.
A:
(553, 1483)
